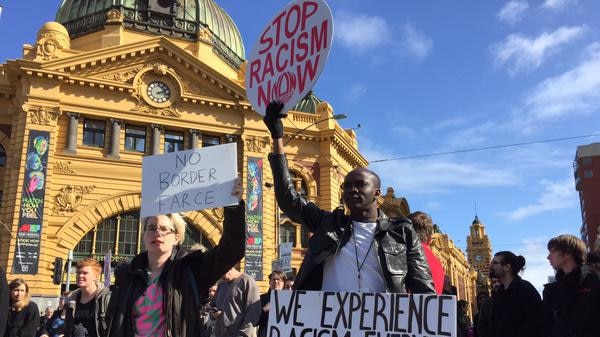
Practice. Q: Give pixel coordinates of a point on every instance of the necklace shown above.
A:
(360, 265)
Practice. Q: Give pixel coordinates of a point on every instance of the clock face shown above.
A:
(158, 92)
(478, 257)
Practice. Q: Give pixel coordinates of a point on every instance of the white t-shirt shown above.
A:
(340, 272)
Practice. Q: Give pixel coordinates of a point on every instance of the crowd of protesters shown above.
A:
(169, 291)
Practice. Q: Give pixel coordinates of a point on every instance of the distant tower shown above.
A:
(479, 248)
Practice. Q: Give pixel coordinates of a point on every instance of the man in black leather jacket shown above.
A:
(363, 251)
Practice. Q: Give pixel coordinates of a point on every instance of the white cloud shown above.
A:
(556, 196)
(416, 43)
(433, 206)
(403, 131)
(573, 92)
(434, 175)
(537, 268)
(513, 11)
(557, 4)
(361, 32)
(519, 53)
(356, 91)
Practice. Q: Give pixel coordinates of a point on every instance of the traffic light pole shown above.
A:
(69, 261)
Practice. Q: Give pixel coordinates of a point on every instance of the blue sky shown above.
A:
(423, 77)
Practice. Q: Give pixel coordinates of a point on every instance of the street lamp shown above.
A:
(336, 117)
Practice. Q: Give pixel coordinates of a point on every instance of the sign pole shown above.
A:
(69, 262)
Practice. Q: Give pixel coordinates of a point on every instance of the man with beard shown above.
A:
(362, 251)
(572, 302)
(517, 305)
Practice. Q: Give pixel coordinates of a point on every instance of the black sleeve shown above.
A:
(31, 322)
(4, 300)
(296, 207)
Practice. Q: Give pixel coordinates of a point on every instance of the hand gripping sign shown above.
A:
(289, 55)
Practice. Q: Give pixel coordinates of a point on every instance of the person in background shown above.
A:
(572, 301)
(424, 227)
(448, 288)
(593, 262)
(289, 284)
(276, 282)
(482, 298)
(238, 305)
(23, 314)
(154, 295)
(45, 318)
(484, 316)
(517, 305)
(55, 327)
(463, 324)
(207, 308)
(87, 306)
(4, 301)
(363, 251)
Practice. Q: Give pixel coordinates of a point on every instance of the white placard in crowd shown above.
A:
(289, 55)
(355, 314)
(285, 256)
(189, 180)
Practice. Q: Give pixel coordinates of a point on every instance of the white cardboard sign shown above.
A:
(189, 180)
(289, 55)
(355, 314)
(285, 256)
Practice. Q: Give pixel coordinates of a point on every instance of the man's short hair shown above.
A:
(423, 225)
(90, 262)
(569, 244)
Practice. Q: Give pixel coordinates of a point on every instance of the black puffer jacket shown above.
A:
(572, 305)
(182, 277)
(398, 247)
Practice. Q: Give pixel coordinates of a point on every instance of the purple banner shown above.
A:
(29, 232)
(254, 219)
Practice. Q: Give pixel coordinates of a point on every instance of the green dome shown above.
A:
(182, 18)
(308, 103)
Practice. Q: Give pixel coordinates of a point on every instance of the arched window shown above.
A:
(122, 234)
(2, 156)
(287, 233)
(299, 184)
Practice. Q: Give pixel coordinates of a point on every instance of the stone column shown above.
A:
(115, 138)
(72, 133)
(156, 138)
(194, 139)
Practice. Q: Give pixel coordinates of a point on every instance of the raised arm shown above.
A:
(296, 207)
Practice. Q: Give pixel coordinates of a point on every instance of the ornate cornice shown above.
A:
(69, 198)
(62, 167)
(42, 115)
(256, 144)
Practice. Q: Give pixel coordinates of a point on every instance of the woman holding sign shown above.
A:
(154, 295)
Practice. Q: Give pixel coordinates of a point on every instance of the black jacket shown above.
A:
(572, 305)
(23, 323)
(183, 276)
(102, 299)
(399, 250)
(515, 312)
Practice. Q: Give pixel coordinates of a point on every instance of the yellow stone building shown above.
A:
(108, 84)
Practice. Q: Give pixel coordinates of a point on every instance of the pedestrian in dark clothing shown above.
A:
(362, 251)
(484, 316)
(55, 327)
(23, 315)
(276, 282)
(572, 301)
(154, 295)
(482, 298)
(463, 324)
(517, 306)
(4, 300)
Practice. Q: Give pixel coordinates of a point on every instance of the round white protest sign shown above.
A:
(289, 55)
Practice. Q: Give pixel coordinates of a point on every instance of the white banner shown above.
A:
(289, 55)
(189, 180)
(348, 314)
(285, 256)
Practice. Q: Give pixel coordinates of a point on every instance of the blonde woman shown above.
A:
(23, 315)
(154, 295)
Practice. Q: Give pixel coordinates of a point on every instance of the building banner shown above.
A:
(355, 314)
(254, 219)
(31, 216)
